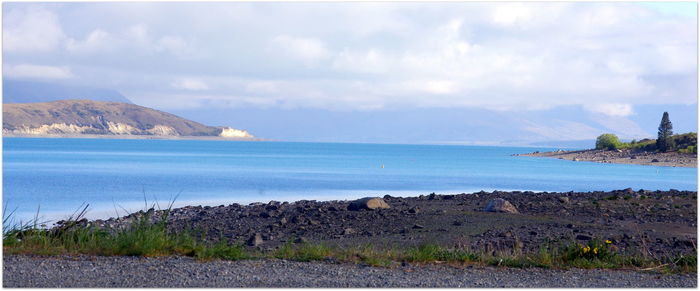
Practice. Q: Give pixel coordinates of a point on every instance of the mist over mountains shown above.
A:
(562, 126)
(23, 91)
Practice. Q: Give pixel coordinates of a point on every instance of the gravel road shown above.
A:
(91, 271)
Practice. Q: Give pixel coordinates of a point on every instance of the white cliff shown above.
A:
(234, 133)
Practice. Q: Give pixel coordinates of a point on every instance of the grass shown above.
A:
(306, 252)
(147, 238)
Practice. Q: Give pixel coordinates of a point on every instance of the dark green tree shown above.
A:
(664, 142)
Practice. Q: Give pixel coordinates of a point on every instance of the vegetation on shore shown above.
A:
(665, 142)
(146, 238)
(683, 143)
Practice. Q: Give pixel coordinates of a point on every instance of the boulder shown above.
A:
(564, 200)
(500, 205)
(369, 203)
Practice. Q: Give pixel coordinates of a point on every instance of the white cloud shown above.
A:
(174, 45)
(611, 109)
(190, 84)
(263, 87)
(512, 13)
(195, 100)
(34, 29)
(29, 71)
(307, 49)
(433, 86)
(138, 33)
(372, 61)
(505, 56)
(97, 40)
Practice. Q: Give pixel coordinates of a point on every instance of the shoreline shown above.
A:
(534, 232)
(667, 218)
(630, 157)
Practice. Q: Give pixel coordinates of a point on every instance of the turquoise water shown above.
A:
(60, 174)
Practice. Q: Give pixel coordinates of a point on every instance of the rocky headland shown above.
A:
(95, 119)
(623, 156)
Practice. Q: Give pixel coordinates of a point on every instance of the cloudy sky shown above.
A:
(605, 58)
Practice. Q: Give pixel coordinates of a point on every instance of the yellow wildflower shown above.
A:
(607, 241)
(595, 251)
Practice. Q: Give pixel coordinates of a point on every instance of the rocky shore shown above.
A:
(655, 223)
(637, 223)
(627, 156)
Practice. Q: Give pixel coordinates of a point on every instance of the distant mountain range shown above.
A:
(569, 126)
(16, 91)
(82, 117)
(562, 126)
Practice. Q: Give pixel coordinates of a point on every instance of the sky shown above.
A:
(608, 59)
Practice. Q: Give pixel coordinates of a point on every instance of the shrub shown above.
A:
(607, 141)
(689, 150)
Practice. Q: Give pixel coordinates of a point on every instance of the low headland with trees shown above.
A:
(668, 149)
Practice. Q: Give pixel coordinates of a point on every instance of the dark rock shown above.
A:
(564, 200)
(655, 161)
(414, 210)
(583, 237)
(300, 240)
(418, 226)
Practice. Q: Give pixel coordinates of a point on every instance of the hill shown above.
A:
(71, 117)
(16, 91)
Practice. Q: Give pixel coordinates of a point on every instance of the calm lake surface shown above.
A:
(60, 174)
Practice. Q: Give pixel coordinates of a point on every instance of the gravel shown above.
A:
(662, 223)
(92, 271)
